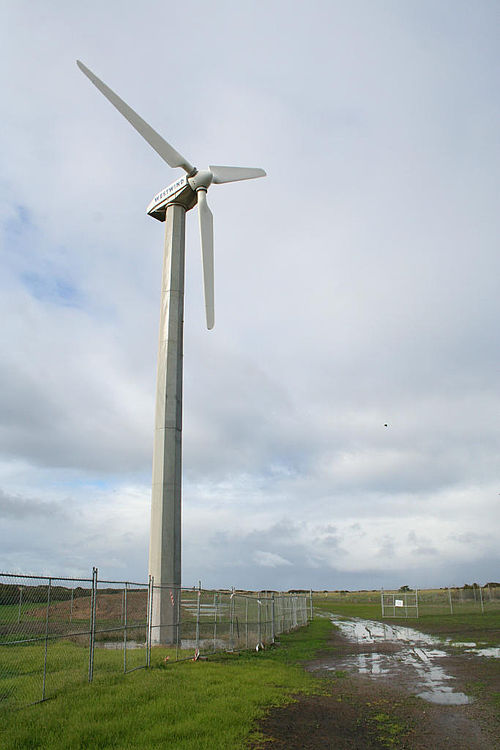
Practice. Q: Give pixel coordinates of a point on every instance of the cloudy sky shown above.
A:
(341, 422)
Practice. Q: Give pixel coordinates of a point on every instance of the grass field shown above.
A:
(193, 705)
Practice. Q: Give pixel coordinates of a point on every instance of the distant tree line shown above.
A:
(491, 584)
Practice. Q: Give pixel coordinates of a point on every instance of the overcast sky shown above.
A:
(341, 422)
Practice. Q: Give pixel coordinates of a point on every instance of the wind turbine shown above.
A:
(170, 205)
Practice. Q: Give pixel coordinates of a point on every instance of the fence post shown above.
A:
(382, 600)
(246, 622)
(231, 619)
(259, 634)
(272, 617)
(93, 597)
(149, 620)
(215, 619)
(416, 601)
(46, 639)
(124, 621)
(449, 597)
(311, 603)
(198, 617)
(178, 633)
(481, 600)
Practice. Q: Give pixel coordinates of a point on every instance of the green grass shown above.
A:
(388, 729)
(367, 611)
(191, 705)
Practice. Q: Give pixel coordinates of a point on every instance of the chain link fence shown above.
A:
(467, 599)
(208, 621)
(59, 632)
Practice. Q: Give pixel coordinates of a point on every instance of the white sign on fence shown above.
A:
(399, 603)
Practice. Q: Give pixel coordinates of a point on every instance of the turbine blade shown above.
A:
(233, 174)
(207, 255)
(160, 145)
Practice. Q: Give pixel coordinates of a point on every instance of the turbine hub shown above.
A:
(202, 179)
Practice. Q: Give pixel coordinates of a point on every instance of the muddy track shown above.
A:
(381, 710)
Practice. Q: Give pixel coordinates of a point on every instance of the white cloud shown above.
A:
(269, 559)
(356, 286)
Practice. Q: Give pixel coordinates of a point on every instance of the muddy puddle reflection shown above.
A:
(405, 657)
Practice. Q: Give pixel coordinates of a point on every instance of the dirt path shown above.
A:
(380, 709)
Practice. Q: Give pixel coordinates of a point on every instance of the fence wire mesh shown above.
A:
(208, 621)
(59, 632)
(464, 600)
(36, 613)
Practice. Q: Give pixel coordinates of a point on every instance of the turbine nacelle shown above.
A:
(188, 191)
(179, 191)
(183, 191)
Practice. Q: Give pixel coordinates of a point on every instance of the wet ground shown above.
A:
(392, 686)
(412, 659)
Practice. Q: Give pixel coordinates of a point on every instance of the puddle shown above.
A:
(116, 645)
(493, 651)
(371, 631)
(206, 644)
(371, 664)
(413, 664)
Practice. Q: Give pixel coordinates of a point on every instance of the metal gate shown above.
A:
(399, 603)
